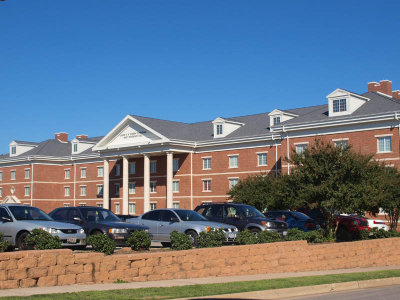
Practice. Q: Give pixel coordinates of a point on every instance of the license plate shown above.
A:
(231, 235)
(284, 233)
(71, 241)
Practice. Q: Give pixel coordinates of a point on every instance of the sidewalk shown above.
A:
(193, 281)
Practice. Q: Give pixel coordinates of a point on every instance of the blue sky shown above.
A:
(81, 66)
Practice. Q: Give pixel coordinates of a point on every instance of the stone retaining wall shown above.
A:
(65, 267)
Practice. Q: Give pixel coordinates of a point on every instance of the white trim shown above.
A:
(383, 135)
(340, 140)
(302, 143)
(233, 154)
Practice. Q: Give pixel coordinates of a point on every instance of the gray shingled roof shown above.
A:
(25, 142)
(50, 148)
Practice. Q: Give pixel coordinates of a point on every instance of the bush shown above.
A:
(315, 236)
(295, 234)
(212, 238)
(3, 243)
(246, 238)
(101, 243)
(376, 233)
(268, 237)
(180, 241)
(139, 240)
(42, 240)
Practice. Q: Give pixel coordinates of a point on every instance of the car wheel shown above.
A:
(343, 234)
(255, 230)
(166, 244)
(21, 244)
(96, 232)
(192, 235)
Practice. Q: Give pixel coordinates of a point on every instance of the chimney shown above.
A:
(62, 137)
(384, 87)
(82, 137)
(396, 94)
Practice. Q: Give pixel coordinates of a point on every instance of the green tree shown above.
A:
(390, 196)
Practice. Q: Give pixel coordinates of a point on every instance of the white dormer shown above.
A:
(223, 127)
(18, 148)
(342, 102)
(278, 116)
(79, 145)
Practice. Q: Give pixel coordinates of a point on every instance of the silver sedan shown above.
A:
(162, 222)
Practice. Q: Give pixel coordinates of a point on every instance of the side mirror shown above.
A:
(174, 219)
(77, 219)
(6, 219)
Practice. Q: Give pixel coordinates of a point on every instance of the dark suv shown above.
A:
(242, 216)
(95, 220)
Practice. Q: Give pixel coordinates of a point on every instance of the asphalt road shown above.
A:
(383, 293)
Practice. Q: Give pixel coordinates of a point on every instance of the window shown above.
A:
(100, 171)
(66, 205)
(117, 208)
(153, 206)
(339, 105)
(153, 166)
(83, 172)
(99, 204)
(176, 165)
(206, 185)
(83, 190)
(384, 144)
(75, 147)
(175, 205)
(277, 120)
(132, 168)
(341, 144)
(27, 191)
(175, 186)
(13, 150)
(301, 148)
(207, 163)
(132, 188)
(117, 170)
(153, 186)
(1, 192)
(67, 174)
(82, 204)
(13, 174)
(233, 161)
(262, 159)
(117, 188)
(132, 208)
(66, 191)
(1, 176)
(27, 173)
(219, 129)
(100, 189)
(233, 182)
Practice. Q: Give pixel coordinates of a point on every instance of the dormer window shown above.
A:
(339, 105)
(219, 129)
(13, 150)
(277, 120)
(75, 148)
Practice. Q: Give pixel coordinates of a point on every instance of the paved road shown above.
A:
(383, 293)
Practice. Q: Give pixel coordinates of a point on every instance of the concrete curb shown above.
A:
(308, 290)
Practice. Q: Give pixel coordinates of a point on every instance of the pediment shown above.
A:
(11, 199)
(129, 133)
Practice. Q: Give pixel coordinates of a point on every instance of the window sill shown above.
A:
(233, 167)
(262, 165)
(384, 152)
(206, 191)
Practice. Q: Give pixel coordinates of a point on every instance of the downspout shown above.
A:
(396, 116)
(191, 180)
(31, 182)
(287, 150)
(276, 159)
(74, 182)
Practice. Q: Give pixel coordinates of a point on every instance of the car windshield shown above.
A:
(92, 214)
(250, 212)
(29, 213)
(300, 216)
(189, 215)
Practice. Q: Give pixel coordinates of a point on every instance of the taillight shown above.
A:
(379, 222)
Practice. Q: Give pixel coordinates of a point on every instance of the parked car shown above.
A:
(97, 220)
(294, 219)
(349, 227)
(18, 221)
(123, 218)
(162, 222)
(379, 224)
(242, 216)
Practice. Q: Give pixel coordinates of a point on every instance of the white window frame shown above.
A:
(231, 159)
(303, 146)
(100, 189)
(153, 166)
(83, 190)
(1, 192)
(100, 173)
(75, 147)
(27, 173)
(67, 173)
(117, 170)
(175, 186)
(117, 208)
(384, 137)
(175, 165)
(27, 188)
(13, 150)
(82, 203)
(207, 162)
(1, 176)
(276, 120)
(67, 191)
(175, 204)
(130, 205)
(153, 187)
(339, 142)
(207, 187)
(341, 105)
(13, 174)
(99, 204)
(130, 190)
(83, 172)
(259, 155)
(132, 168)
(153, 205)
(66, 204)
(117, 191)
(219, 130)
(232, 179)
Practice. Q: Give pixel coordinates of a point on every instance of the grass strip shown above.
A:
(218, 288)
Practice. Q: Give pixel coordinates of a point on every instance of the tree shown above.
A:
(390, 196)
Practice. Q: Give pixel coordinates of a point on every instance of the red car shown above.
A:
(349, 227)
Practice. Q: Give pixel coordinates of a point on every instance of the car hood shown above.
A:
(128, 226)
(210, 224)
(50, 224)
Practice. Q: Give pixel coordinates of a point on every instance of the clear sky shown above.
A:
(80, 66)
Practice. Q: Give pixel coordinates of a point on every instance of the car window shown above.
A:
(4, 213)
(97, 214)
(60, 215)
(214, 211)
(29, 213)
(250, 211)
(167, 216)
(189, 215)
(300, 216)
(153, 215)
(231, 212)
(73, 213)
(201, 210)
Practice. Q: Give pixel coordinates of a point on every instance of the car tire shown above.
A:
(96, 232)
(166, 244)
(255, 230)
(21, 244)
(343, 234)
(192, 235)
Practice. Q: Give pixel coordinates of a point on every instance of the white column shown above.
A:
(169, 179)
(125, 185)
(106, 184)
(146, 183)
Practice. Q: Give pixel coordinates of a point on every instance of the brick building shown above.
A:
(143, 163)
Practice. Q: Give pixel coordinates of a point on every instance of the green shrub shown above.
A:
(296, 234)
(101, 243)
(212, 238)
(3, 243)
(139, 240)
(316, 236)
(180, 241)
(42, 240)
(246, 238)
(362, 235)
(394, 233)
(268, 237)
